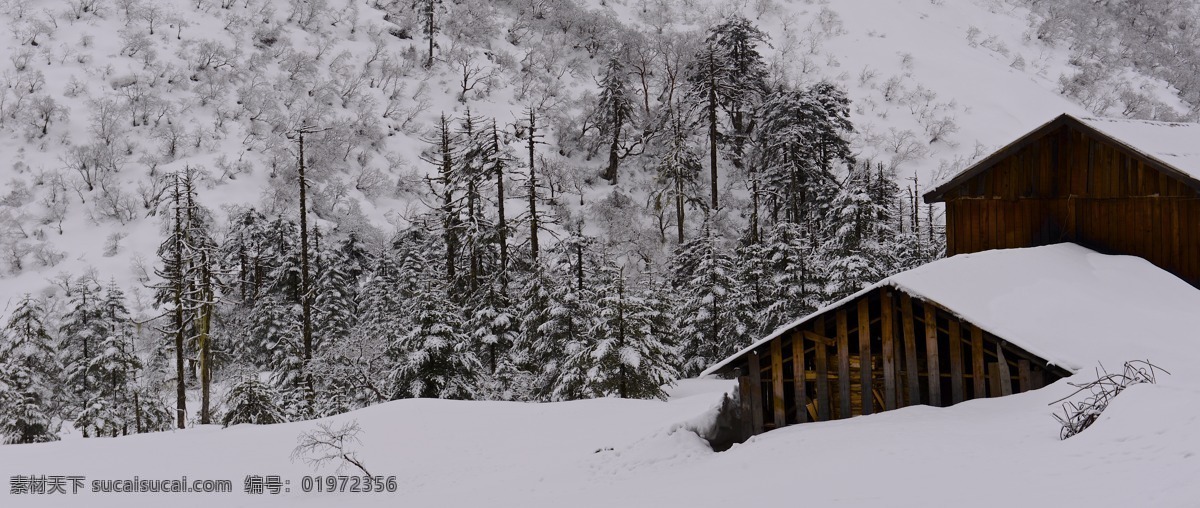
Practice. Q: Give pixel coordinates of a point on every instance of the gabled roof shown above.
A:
(1064, 303)
(1172, 148)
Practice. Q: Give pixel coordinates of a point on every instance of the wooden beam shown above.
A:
(888, 329)
(956, 361)
(843, 353)
(911, 366)
(818, 338)
(778, 404)
(864, 355)
(798, 378)
(933, 371)
(1023, 375)
(756, 405)
(822, 359)
(977, 373)
(1005, 373)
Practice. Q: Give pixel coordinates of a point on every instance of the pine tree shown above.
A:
(627, 358)
(493, 325)
(530, 354)
(83, 329)
(531, 187)
(252, 402)
(737, 39)
(727, 75)
(23, 403)
(678, 170)
(202, 285)
(336, 288)
(803, 132)
(110, 408)
(358, 365)
(244, 254)
(613, 112)
(170, 293)
(446, 189)
(710, 319)
(558, 317)
(795, 277)
(436, 358)
(28, 371)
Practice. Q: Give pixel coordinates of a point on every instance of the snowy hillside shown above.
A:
(933, 85)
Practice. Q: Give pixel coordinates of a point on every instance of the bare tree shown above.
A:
(471, 72)
(152, 13)
(43, 109)
(330, 444)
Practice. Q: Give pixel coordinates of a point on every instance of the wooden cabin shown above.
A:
(1115, 186)
(884, 348)
(969, 326)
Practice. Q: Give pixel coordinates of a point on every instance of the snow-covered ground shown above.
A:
(994, 452)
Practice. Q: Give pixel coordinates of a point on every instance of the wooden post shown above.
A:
(956, 362)
(1023, 375)
(864, 355)
(994, 378)
(756, 405)
(1035, 379)
(887, 324)
(778, 404)
(822, 359)
(1005, 374)
(911, 368)
(933, 371)
(744, 393)
(843, 352)
(798, 377)
(977, 373)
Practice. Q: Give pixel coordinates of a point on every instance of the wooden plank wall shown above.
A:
(883, 351)
(1068, 187)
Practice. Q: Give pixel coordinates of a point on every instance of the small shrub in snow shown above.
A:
(112, 245)
(1077, 417)
(973, 36)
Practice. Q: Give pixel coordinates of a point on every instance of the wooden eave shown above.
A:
(938, 193)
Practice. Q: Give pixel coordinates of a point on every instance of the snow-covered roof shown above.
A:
(1173, 147)
(1172, 143)
(1067, 304)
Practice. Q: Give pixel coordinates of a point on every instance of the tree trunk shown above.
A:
(712, 128)
(430, 29)
(205, 326)
(501, 221)
(533, 217)
(305, 290)
(679, 208)
(180, 387)
(614, 160)
(451, 239)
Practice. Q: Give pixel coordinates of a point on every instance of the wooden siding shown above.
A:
(1069, 187)
(811, 373)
